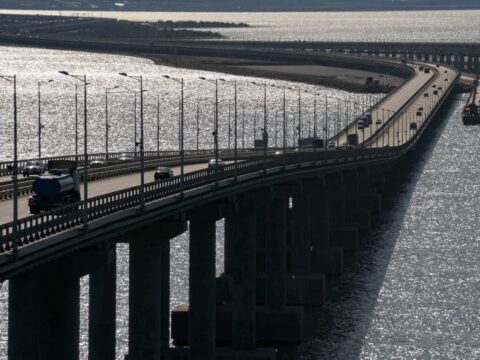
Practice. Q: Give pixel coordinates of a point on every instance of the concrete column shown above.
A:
(244, 279)
(165, 297)
(202, 314)
(301, 234)
(276, 239)
(44, 315)
(145, 294)
(102, 309)
(326, 259)
(229, 235)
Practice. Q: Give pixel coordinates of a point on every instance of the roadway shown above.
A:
(95, 188)
(394, 117)
(384, 111)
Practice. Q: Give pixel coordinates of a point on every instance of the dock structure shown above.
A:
(471, 114)
(290, 219)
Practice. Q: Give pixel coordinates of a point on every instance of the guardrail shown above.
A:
(41, 225)
(36, 227)
(120, 169)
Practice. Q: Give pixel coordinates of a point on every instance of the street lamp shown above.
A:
(265, 132)
(142, 154)
(181, 140)
(13, 80)
(40, 126)
(215, 131)
(83, 79)
(107, 90)
(235, 119)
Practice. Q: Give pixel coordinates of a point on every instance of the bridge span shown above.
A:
(289, 220)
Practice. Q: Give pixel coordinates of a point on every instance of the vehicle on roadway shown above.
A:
(59, 188)
(98, 163)
(163, 172)
(213, 164)
(278, 152)
(378, 122)
(345, 147)
(413, 126)
(125, 157)
(332, 144)
(33, 167)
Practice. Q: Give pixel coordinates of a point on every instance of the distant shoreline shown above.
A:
(261, 10)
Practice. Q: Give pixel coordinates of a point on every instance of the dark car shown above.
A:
(163, 172)
(33, 168)
(214, 165)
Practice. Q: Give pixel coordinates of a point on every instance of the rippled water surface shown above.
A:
(428, 26)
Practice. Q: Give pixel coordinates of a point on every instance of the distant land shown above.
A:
(240, 5)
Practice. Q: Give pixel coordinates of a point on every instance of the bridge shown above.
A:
(289, 219)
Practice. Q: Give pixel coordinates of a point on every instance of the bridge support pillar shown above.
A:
(102, 308)
(43, 316)
(148, 280)
(44, 307)
(301, 234)
(326, 259)
(342, 234)
(202, 308)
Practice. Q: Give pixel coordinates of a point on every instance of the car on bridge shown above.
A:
(97, 163)
(125, 157)
(162, 173)
(378, 122)
(34, 167)
(215, 165)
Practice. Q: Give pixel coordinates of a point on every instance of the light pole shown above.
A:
(40, 126)
(265, 131)
(182, 152)
(107, 90)
(13, 80)
(215, 131)
(139, 79)
(76, 122)
(235, 125)
(83, 79)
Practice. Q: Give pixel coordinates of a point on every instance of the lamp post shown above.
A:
(83, 79)
(235, 125)
(139, 79)
(13, 80)
(182, 152)
(40, 126)
(215, 131)
(265, 132)
(76, 122)
(107, 90)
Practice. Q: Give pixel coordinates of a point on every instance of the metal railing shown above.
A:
(35, 227)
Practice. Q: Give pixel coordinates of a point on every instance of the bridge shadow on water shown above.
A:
(338, 329)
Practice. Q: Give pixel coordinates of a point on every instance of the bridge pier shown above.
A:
(102, 308)
(326, 259)
(202, 308)
(342, 233)
(148, 279)
(44, 307)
